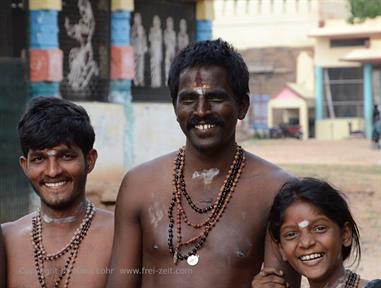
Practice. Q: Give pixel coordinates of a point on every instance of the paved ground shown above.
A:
(351, 165)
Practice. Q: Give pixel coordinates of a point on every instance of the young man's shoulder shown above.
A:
(19, 228)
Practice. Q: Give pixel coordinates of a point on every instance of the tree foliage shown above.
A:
(363, 9)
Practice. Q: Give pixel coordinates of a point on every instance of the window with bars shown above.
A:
(343, 93)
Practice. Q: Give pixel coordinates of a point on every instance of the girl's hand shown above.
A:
(269, 277)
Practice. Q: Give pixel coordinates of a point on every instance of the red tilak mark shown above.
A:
(199, 82)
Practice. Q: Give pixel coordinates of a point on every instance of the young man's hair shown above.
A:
(325, 198)
(49, 121)
(211, 53)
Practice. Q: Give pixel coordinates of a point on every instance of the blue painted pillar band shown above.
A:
(319, 88)
(120, 27)
(368, 99)
(120, 90)
(43, 29)
(203, 30)
(47, 89)
(44, 44)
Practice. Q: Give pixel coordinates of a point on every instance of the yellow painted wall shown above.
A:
(264, 23)
(122, 5)
(204, 10)
(325, 56)
(337, 129)
(305, 71)
(45, 5)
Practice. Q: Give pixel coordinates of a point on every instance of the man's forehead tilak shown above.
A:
(199, 85)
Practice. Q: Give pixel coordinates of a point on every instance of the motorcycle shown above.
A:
(286, 130)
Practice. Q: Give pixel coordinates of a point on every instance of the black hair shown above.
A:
(49, 121)
(322, 195)
(211, 53)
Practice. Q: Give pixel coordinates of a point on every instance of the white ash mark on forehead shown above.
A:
(303, 224)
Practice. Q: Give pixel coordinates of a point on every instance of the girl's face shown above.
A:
(311, 243)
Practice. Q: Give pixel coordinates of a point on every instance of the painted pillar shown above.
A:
(45, 57)
(122, 69)
(204, 17)
(368, 99)
(379, 90)
(319, 88)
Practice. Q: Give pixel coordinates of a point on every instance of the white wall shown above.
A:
(155, 132)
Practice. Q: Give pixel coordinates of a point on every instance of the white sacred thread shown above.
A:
(206, 175)
(68, 219)
(303, 224)
(48, 219)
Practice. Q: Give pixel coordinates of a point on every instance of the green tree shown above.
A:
(363, 9)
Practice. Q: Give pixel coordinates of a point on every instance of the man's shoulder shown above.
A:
(153, 168)
(264, 178)
(259, 166)
(20, 227)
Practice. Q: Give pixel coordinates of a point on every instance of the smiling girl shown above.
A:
(315, 231)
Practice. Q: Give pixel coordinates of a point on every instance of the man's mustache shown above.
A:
(211, 119)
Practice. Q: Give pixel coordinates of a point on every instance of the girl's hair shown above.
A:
(327, 199)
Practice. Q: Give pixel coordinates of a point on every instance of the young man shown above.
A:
(67, 242)
(197, 217)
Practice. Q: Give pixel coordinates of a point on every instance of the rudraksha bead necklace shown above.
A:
(216, 209)
(40, 255)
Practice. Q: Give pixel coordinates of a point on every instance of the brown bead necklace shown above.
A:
(40, 255)
(216, 209)
(353, 279)
(348, 280)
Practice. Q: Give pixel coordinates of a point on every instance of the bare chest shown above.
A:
(236, 240)
(88, 270)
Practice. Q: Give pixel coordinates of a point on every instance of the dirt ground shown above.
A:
(353, 166)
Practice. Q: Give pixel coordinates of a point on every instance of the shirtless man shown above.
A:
(179, 223)
(71, 242)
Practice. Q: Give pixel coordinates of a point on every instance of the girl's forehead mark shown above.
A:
(303, 224)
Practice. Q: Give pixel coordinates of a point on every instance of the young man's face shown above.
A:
(58, 174)
(206, 107)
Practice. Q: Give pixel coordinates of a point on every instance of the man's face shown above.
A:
(58, 174)
(206, 107)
